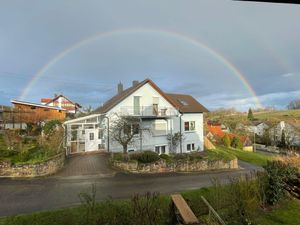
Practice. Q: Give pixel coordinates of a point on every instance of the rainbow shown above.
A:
(217, 55)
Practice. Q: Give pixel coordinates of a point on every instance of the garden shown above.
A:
(32, 146)
(149, 161)
(260, 198)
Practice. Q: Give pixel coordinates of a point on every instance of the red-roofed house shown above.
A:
(63, 102)
(215, 134)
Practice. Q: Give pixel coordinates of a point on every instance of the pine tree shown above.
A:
(250, 114)
(283, 140)
(226, 140)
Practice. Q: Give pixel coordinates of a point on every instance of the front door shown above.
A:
(90, 140)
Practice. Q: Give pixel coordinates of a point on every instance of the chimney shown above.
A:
(135, 82)
(120, 88)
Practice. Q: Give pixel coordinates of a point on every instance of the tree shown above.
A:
(295, 104)
(250, 114)
(282, 142)
(236, 143)
(174, 140)
(123, 130)
(226, 140)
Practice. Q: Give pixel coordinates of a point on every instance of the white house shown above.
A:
(257, 127)
(292, 133)
(159, 112)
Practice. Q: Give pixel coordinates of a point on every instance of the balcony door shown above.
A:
(136, 105)
(155, 106)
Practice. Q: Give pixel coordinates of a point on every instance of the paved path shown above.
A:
(86, 164)
(26, 196)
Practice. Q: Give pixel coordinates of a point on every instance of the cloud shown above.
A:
(288, 75)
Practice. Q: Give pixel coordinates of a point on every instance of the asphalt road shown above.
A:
(27, 196)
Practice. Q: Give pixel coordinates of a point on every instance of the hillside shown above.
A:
(231, 118)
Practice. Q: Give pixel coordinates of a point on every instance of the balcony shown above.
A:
(148, 111)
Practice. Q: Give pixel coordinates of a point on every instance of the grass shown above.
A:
(288, 214)
(120, 212)
(256, 158)
(31, 153)
(219, 154)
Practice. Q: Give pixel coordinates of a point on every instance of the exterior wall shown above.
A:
(28, 114)
(190, 137)
(179, 166)
(48, 167)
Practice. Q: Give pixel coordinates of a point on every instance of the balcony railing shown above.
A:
(148, 111)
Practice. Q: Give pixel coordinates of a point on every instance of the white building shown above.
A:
(292, 133)
(159, 112)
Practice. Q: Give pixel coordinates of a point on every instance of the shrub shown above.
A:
(195, 156)
(164, 156)
(278, 174)
(118, 156)
(50, 126)
(147, 157)
(181, 156)
(226, 141)
(144, 156)
(237, 143)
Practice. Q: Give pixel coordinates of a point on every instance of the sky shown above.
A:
(224, 53)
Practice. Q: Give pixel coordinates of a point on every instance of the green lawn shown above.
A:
(289, 214)
(256, 158)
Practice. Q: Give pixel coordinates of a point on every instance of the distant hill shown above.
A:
(273, 116)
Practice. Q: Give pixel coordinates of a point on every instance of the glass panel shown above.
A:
(91, 136)
(157, 149)
(188, 147)
(136, 105)
(192, 125)
(163, 149)
(186, 126)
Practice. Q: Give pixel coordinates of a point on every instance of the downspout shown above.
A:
(107, 133)
(180, 127)
(64, 141)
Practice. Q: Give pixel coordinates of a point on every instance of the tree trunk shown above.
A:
(125, 153)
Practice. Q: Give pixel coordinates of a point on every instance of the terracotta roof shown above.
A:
(186, 103)
(44, 100)
(191, 106)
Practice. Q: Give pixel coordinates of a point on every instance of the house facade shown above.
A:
(159, 114)
(292, 133)
(63, 102)
(27, 112)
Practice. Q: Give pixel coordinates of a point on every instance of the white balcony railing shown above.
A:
(150, 111)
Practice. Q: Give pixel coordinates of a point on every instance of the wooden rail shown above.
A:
(186, 214)
(211, 210)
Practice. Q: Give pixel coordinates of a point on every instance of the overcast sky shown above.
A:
(180, 45)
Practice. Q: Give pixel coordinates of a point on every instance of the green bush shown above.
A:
(164, 156)
(181, 156)
(226, 141)
(237, 143)
(144, 157)
(50, 126)
(278, 175)
(118, 156)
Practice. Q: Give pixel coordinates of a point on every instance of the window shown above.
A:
(189, 126)
(100, 134)
(101, 146)
(186, 126)
(92, 136)
(160, 149)
(159, 127)
(135, 128)
(136, 105)
(83, 132)
(190, 147)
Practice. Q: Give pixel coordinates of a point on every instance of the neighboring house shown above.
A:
(27, 112)
(63, 102)
(223, 127)
(257, 127)
(10, 119)
(216, 134)
(292, 133)
(159, 112)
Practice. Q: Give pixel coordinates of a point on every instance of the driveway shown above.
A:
(86, 164)
(27, 196)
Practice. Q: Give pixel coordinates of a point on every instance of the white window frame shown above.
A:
(190, 122)
(160, 149)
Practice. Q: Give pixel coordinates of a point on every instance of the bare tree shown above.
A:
(123, 129)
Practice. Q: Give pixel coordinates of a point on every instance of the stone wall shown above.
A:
(50, 166)
(162, 166)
